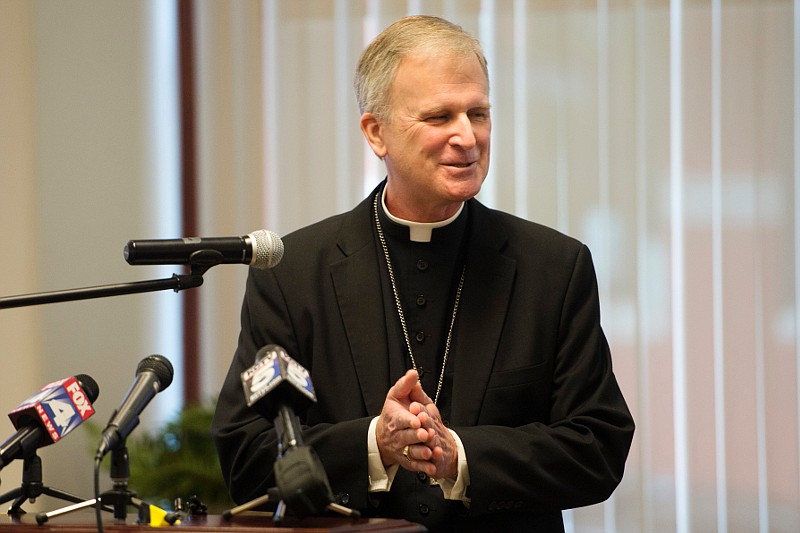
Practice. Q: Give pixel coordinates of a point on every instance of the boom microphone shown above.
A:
(49, 415)
(261, 249)
(153, 375)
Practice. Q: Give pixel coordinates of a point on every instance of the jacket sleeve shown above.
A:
(574, 453)
(246, 441)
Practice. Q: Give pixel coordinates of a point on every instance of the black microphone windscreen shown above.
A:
(89, 386)
(160, 366)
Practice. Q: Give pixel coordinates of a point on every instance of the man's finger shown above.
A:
(418, 394)
(404, 386)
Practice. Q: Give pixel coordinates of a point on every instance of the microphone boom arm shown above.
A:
(177, 282)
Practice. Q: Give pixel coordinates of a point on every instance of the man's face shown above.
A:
(436, 142)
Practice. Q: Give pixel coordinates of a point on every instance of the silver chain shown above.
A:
(400, 307)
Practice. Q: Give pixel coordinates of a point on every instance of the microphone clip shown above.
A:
(201, 260)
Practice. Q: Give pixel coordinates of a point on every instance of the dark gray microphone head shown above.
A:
(158, 365)
(89, 386)
(267, 249)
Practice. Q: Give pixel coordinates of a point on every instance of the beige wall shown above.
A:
(19, 330)
(78, 175)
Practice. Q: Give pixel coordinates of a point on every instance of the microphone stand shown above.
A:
(32, 487)
(177, 282)
(302, 484)
(310, 499)
(118, 498)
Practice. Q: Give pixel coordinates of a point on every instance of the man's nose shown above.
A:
(463, 133)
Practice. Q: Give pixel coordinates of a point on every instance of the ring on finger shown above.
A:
(405, 454)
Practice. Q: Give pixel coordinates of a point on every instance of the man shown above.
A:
(502, 408)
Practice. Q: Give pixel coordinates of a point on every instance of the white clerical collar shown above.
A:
(418, 231)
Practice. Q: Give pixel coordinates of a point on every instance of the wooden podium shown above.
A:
(84, 522)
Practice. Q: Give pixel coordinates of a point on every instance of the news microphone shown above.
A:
(271, 386)
(275, 380)
(261, 249)
(153, 375)
(49, 415)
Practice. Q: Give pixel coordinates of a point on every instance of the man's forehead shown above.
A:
(424, 59)
(440, 73)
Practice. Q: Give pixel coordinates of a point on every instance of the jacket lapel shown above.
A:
(358, 291)
(487, 290)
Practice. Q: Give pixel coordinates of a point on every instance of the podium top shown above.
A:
(84, 522)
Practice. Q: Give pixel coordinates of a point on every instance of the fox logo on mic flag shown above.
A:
(61, 406)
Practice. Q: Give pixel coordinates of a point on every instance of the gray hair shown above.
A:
(378, 65)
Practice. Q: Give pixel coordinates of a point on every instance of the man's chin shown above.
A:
(463, 190)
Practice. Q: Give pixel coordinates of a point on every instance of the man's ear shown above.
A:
(372, 128)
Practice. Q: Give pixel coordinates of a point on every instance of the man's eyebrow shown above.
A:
(440, 109)
(433, 110)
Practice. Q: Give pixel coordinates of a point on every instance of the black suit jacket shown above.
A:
(534, 398)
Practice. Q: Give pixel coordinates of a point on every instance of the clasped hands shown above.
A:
(410, 431)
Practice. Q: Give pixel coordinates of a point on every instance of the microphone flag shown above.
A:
(61, 406)
(275, 370)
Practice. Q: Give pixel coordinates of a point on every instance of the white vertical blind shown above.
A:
(717, 270)
(664, 134)
(796, 210)
(677, 263)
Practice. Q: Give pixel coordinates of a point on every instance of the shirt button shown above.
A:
(421, 300)
(422, 476)
(422, 265)
(424, 509)
(420, 336)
